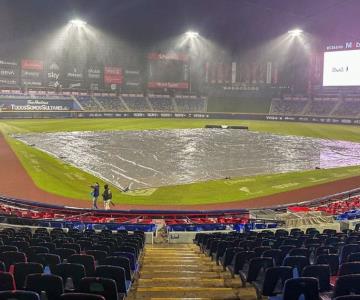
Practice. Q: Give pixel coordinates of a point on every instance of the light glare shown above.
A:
(192, 34)
(78, 22)
(295, 32)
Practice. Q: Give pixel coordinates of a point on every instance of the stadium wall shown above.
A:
(241, 105)
(165, 115)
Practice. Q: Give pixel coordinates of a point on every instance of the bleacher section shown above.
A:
(279, 263)
(136, 102)
(320, 107)
(88, 103)
(349, 108)
(288, 105)
(233, 256)
(111, 103)
(190, 104)
(161, 103)
(58, 261)
(335, 105)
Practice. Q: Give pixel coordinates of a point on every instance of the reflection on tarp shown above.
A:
(167, 157)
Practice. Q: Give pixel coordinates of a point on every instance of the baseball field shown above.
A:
(56, 177)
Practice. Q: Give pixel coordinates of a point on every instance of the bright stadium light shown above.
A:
(78, 22)
(295, 32)
(192, 34)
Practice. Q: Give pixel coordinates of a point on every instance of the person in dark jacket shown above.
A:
(107, 196)
(95, 194)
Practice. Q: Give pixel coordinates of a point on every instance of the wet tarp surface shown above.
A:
(167, 157)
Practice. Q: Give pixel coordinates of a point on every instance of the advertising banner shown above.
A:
(32, 72)
(132, 79)
(53, 74)
(73, 78)
(35, 105)
(95, 77)
(113, 77)
(9, 73)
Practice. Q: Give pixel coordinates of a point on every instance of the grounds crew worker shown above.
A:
(107, 196)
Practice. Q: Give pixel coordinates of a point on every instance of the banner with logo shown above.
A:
(73, 78)
(53, 74)
(36, 105)
(32, 73)
(9, 73)
(132, 80)
(94, 76)
(113, 77)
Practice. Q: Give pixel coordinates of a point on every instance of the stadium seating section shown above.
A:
(63, 264)
(327, 105)
(291, 263)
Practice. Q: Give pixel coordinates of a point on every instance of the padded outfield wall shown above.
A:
(164, 115)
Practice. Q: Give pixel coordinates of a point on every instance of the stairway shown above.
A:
(181, 272)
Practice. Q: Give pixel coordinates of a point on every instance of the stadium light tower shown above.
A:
(78, 22)
(192, 34)
(295, 32)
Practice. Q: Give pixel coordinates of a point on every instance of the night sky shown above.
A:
(235, 24)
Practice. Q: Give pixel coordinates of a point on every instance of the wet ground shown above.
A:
(167, 157)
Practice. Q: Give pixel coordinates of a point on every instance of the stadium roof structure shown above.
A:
(236, 24)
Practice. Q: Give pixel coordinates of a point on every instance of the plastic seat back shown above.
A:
(322, 273)
(355, 256)
(87, 261)
(19, 295)
(7, 282)
(275, 254)
(115, 273)
(97, 254)
(296, 262)
(347, 285)
(11, 257)
(69, 270)
(349, 268)
(274, 280)
(48, 260)
(329, 259)
(81, 296)
(119, 262)
(21, 270)
(347, 250)
(307, 287)
(101, 286)
(51, 284)
(257, 265)
(64, 253)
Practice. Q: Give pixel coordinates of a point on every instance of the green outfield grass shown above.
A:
(55, 176)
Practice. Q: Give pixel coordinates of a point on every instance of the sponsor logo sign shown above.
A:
(8, 72)
(94, 73)
(171, 85)
(113, 75)
(74, 74)
(36, 105)
(8, 82)
(8, 64)
(30, 64)
(53, 75)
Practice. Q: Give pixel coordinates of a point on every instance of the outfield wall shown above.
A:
(175, 115)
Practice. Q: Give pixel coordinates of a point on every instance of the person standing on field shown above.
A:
(95, 194)
(107, 196)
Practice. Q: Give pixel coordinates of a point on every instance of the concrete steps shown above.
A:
(181, 272)
(172, 274)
